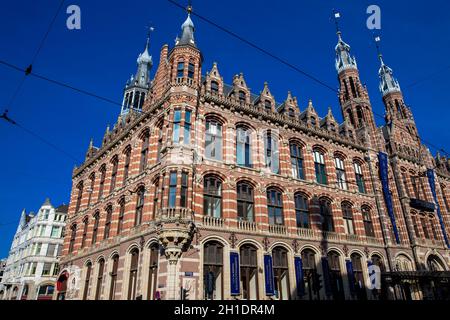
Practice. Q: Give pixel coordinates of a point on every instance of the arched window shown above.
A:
(191, 70)
(340, 173)
(132, 282)
(326, 215)
(102, 181)
(212, 197)
(180, 69)
(87, 279)
(415, 224)
(275, 206)
(281, 273)
(113, 275)
(98, 289)
(358, 274)
(139, 206)
(153, 271)
(297, 161)
(45, 292)
(435, 264)
(367, 219)
(213, 140)
(214, 87)
(126, 167)
(243, 147)
(155, 197)
(115, 163)
(313, 121)
(378, 261)
(360, 115)
(347, 215)
(272, 154)
(336, 283)
(432, 221)
(249, 272)
(319, 165)
(160, 140)
(353, 87)
(242, 96)
(350, 117)
(85, 230)
(79, 196)
(121, 215)
(268, 105)
(213, 271)
(108, 218)
(302, 211)
(403, 263)
(245, 201)
(291, 113)
(91, 189)
(73, 235)
(423, 221)
(95, 229)
(359, 177)
(144, 151)
(310, 274)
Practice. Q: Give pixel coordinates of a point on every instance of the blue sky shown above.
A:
(102, 55)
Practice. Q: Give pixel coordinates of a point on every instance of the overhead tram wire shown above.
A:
(283, 61)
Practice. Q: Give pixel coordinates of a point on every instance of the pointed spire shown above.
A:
(145, 63)
(187, 28)
(388, 83)
(344, 60)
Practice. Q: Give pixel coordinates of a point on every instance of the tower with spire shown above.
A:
(353, 95)
(136, 88)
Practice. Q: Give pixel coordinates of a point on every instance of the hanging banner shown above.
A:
(430, 175)
(234, 274)
(326, 276)
(299, 276)
(350, 275)
(268, 275)
(374, 276)
(383, 163)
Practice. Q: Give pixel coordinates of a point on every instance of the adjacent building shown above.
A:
(32, 265)
(205, 190)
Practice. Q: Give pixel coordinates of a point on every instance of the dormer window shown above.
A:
(242, 96)
(214, 87)
(332, 128)
(268, 105)
(313, 121)
(291, 113)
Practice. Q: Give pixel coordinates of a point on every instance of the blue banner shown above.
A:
(234, 274)
(350, 275)
(268, 275)
(326, 276)
(430, 175)
(299, 276)
(384, 176)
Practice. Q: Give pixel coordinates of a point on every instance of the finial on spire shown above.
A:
(189, 7)
(377, 40)
(337, 16)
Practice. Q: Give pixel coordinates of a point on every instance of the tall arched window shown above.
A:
(336, 283)
(191, 70)
(73, 235)
(98, 289)
(115, 163)
(132, 280)
(358, 276)
(249, 272)
(79, 196)
(359, 177)
(139, 206)
(272, 154)
(153, 271)
(144, 151)
(85, 230)
(212, 197)
(213, 271)
(423, 221)
(176, 126)
(268, 105)
(172, 189)
(302, 211)
(102, 181)
(243, 147)
(432, 221)
(126, 168)
(113, 275)
(347, 215)
(326, 215)
(297, 161)
(340, 173)
(281, 273)
(180, 69)
(310, 274)
(275, 206)
(108, 218)
(367, 219)
(319, 165)
(245, 201)
(91, 188)
(360, 115)
(87, 280)
(415, 224)
(121, 215)
(184, 189)
(213, 140)
(160, 140)
(95, 229)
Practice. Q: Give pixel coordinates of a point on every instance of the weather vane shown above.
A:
(337, 15)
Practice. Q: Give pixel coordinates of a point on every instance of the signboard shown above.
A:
(234, 274)
(299, 276)
(430, 175)
(268, 275)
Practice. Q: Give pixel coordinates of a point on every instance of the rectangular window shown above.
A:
(176, 126)
(191, 70)
(243, 148)
(213, 140)
(42, 231)
(319, 165)
(172, 189)
(184, 189)
(187, 127)
(56, 232)
(51, 250)
(272, 153)
(46, 269)
(359, 178)
(180, 70)
(340, 174)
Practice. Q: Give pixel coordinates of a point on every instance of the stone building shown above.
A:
(210, 191)
(32, 265)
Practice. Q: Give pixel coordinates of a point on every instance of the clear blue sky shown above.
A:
(101, 56)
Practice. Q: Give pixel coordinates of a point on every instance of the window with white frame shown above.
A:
(340, 173)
